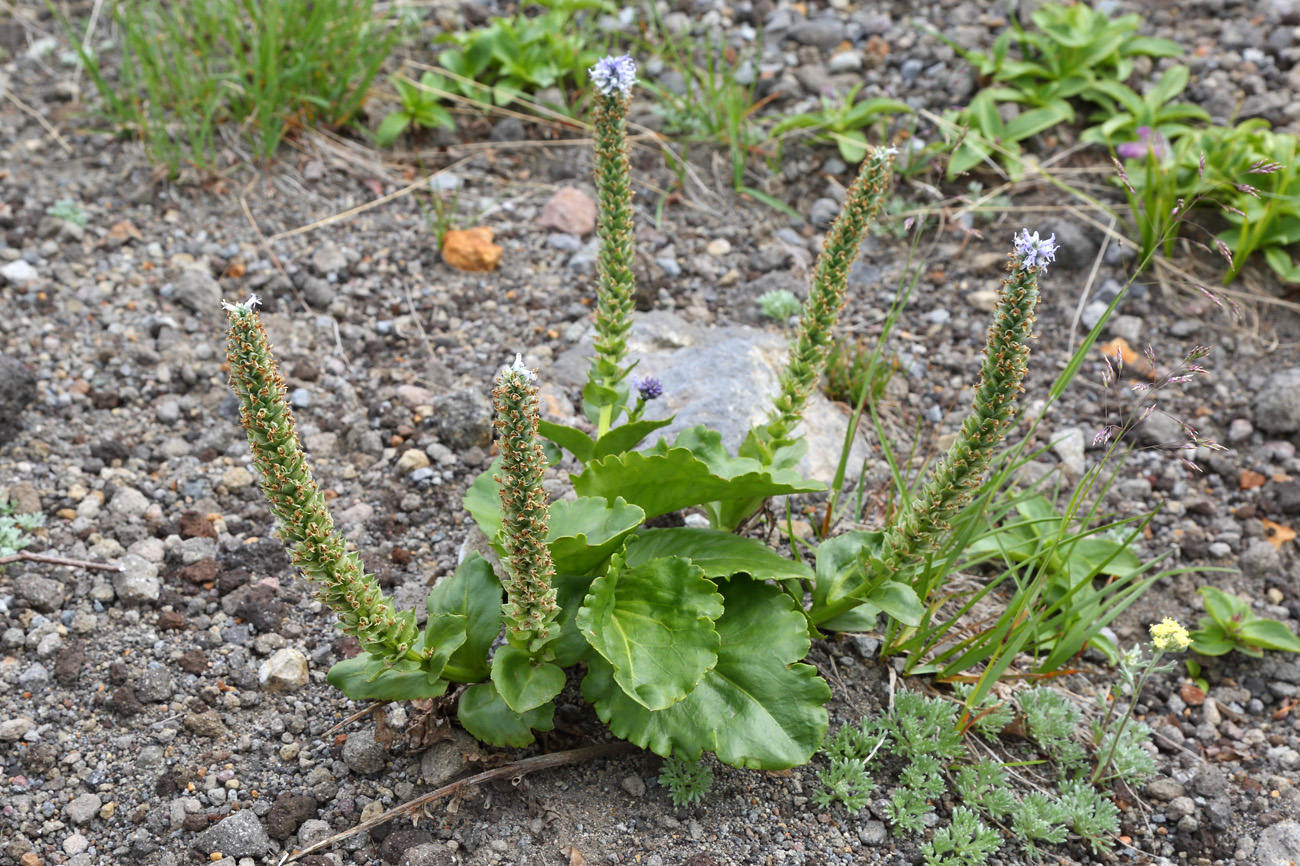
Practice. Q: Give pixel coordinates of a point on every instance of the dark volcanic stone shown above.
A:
(195, 525)
(288, 812)
(123, 702)
(17, 390)
(203, 571)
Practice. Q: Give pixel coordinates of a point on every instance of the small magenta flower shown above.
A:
(1031, 252)
(649, 388)
(614, 75)
(1148, 141)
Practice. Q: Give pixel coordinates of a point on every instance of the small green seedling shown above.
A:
(779, 304)
(1232, 626)
(420, 108)
(842, 121)
(687, 781)
(68, 210)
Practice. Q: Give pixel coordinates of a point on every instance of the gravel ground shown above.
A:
(179, 707)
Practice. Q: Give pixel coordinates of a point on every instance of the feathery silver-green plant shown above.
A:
(297, 502)
(530, 609)
(926, 516)
(613, 78)
(812, 340)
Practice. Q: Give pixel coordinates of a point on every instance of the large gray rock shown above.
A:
(1277, 405)
(723, 378)
(240, 835)
(83, 809)
(362, 754)
(1279, 845)
(39, 593)
(17, 390)
(137, 582)
(198, 291)
(463, 419)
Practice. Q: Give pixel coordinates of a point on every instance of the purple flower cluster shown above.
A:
(1148, 141)
(1031, 252)
(649, 388)
(614, 76)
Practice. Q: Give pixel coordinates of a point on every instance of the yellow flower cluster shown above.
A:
(1170, 636)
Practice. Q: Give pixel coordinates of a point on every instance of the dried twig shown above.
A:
(58, 560)
(514, 772)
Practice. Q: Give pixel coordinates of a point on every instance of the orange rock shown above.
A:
(471, 249)
(1276, 534)
(1119, 344)
(1251, 479)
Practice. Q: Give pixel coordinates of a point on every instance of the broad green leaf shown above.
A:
(571, 439)
(366, 677)
(838, 564)
(393, 125)
(1172, 83)
(443, 635)
(663, 479)
(523, 684)
(757, 708)
(625, 437)
(1270, 634)
(852, 145)
(1093, 555)
(862, 618)
(483, 501)
(584, 532)
(899, 601)
(654, 624)
(1039, 119)
(474, 592)
(1221, 606)
(488, 718)
(719, 554)
(1280, 261)
(1152, 46)
(570, 646)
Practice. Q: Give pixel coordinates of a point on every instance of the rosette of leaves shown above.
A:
(688, 646)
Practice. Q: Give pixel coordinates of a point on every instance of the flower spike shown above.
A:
(297, 502)
(530, 609)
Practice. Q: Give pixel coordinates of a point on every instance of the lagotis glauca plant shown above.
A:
(692, 638)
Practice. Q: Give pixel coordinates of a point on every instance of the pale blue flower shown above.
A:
(1031, 252)
(614, 75)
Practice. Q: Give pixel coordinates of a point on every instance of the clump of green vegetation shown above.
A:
(421, 108)
(524, 53)
(924, 735)
(14, 529)
(687, 781)
(68, 210)
(191, 65)
(855, 375)
(779, 304)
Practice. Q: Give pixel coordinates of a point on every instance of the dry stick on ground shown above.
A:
(514, 772)
(58, 560)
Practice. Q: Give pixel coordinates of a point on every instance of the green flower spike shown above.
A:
(613, 78)
(297, 503)
(1006, 360)
(530, 609)
(829, 286)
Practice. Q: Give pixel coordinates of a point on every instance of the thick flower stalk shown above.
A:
(297, 503)
(1006, 360)
(530, 609)
(812, 340)
(613, 78)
